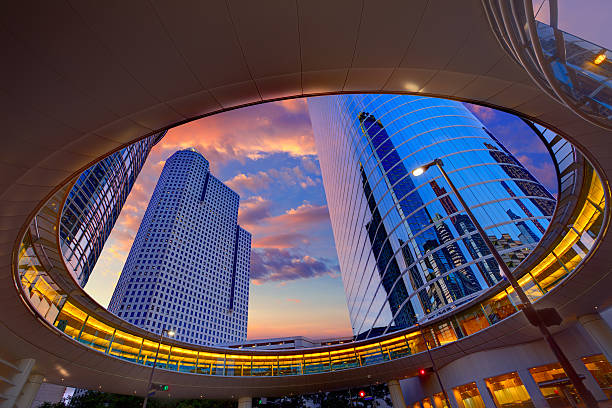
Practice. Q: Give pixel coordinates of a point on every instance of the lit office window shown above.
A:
(554, 385)
(508, 390)
(601, 369)
(467, 396)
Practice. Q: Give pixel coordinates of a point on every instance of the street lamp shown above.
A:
(433, 364)
(169, 333)
(531, 313)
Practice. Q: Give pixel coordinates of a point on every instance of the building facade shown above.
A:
(406, 248)
(188, 268)
(94, 203)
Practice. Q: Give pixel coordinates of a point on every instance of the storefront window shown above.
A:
(601, 369)
(555, 386)
(467, 396)
(508, 391)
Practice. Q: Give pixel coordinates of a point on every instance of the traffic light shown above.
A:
(160, 387)
(362, 394)
(425, 371)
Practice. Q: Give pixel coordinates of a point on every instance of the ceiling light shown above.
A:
(599, 58)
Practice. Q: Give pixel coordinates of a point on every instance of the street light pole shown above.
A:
(161, 335)
(433, 364)
(528, 308)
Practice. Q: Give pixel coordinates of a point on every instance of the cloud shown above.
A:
(281, 241)
(311, 165)
(481, 112)
(280, 265)
(294, 300)
(253, 132)
(294, 227)
(254, 182)
(253, 210)
(262, 180)
(294, 105)
(542, 170)
(305, 214)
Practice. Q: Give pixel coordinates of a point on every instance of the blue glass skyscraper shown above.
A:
(94, 203)
(406, 248)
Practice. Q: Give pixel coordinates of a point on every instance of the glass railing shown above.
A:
(571, 238)
(576, 72)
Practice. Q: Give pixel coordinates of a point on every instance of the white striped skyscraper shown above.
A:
(188, 268)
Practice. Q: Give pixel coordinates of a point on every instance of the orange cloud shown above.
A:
(253, 132)
(294, 105)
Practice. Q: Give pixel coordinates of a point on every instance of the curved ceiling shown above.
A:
(79, 80)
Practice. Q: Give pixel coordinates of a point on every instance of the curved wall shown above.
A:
(407, 251)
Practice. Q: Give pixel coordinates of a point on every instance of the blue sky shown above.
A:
(267, 154)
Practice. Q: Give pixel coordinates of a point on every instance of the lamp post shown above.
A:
(528, 308)
(433, 364)
(170, 333)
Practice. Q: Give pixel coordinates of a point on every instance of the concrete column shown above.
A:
(452, 400)
(397, 398)
(533, 389)
(29, 391)
(599, 331)
(484, 393)
(17, 382)
(589, 381)
(245, 402)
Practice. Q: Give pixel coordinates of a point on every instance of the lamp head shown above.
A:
(171, 333)
(422, 169)
(418, 171)
(599, 58)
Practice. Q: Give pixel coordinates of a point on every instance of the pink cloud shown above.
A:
(542, 170)
(287, 230)
(254, 132)
(482, 112)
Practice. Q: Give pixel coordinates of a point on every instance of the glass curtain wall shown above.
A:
(407, 250)
(94, 203)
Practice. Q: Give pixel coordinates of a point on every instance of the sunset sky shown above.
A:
(267, 154)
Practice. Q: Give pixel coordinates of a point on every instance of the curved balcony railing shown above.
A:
(577, 226)
(574, 71)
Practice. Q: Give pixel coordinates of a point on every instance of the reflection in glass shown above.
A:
(94, 203)
(407, 250)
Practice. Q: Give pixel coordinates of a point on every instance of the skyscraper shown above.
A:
(188, 268)
(407, 251)
(94, 203)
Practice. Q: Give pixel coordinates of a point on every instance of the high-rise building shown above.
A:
(527, 234)
(94, 203)
(407, 250)
(188, 268)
